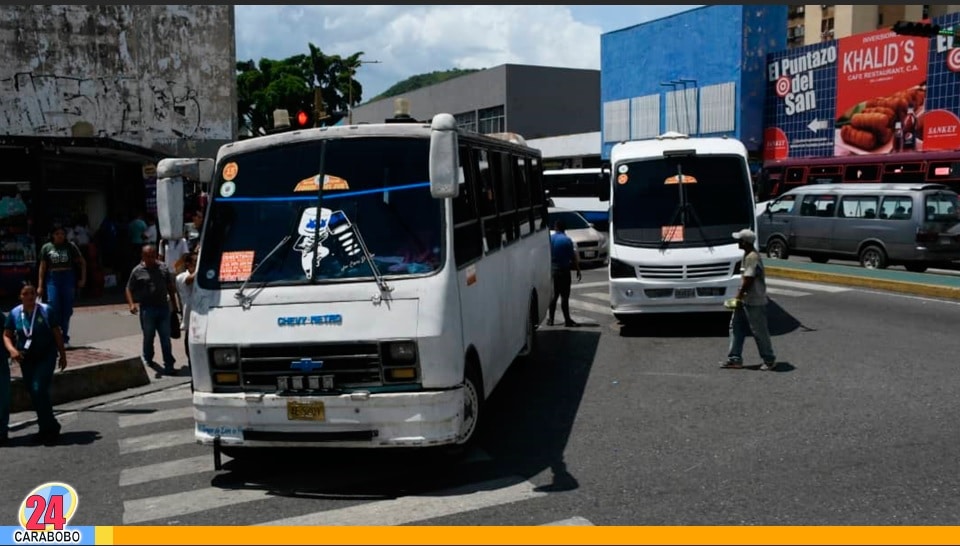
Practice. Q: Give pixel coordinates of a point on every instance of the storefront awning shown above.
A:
(82, 148)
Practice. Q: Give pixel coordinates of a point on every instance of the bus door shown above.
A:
(813, 226)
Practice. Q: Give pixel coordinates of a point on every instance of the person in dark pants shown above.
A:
(563, 255)
(185, 281)
(151, 285)
(60, 260)
(32, 337)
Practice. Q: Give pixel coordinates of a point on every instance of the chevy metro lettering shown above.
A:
(315, 320)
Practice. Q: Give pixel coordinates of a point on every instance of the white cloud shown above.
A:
(410, 40)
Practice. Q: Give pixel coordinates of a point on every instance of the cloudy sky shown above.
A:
(409, 40)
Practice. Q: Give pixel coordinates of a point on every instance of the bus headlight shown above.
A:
(402, 352)
(225, 358)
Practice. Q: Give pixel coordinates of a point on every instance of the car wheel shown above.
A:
(873, 257)
(777, 249)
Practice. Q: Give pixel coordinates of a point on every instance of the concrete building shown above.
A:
(699, 72)
(533, 101)
(91, 96)
(814, 23)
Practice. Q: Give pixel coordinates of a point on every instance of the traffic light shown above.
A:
(303, 119)
(910, 28)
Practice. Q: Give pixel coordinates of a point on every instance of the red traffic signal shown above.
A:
(302, 118)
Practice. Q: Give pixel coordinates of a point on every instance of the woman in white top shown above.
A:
(185, 291)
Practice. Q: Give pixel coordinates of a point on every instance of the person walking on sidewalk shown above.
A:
(185, 281)
(151, 285)
(32, 336)
(563, 255)
(60, 260)
(750, 314)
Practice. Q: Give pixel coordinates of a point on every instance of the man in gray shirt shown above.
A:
(151, 285)
(751, 311)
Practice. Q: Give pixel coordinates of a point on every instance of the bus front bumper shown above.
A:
(631, 297)
(357, 420)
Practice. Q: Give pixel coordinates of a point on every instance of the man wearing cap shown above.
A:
(750, 313)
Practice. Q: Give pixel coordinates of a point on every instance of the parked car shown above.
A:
(591, 244)
(916, 225)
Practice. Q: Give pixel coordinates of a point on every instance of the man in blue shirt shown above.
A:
(563, 255)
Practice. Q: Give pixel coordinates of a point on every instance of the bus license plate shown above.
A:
(685, 292)
(305, 411)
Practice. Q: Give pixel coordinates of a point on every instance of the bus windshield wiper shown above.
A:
(247, 301)
(683, 208)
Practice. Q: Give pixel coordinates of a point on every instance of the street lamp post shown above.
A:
(350, 91)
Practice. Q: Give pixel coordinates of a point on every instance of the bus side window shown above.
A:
(467, 234)
(524, 212)
(506, 202)
(487, 203)
(538, 198)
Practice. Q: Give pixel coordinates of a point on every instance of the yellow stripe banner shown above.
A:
(530, 535)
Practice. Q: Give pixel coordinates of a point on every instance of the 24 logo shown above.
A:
(45, 513)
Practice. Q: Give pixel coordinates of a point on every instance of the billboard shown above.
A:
(872, 93)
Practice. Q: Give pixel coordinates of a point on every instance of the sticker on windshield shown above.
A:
(230, 171)
(622, 169)
(211, 274)
(236, 266)
(675, 179)
(673, 234)
(330, 223)
(228, 189)
(622, 179)
(330, 182)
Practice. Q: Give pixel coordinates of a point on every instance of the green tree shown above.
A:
(289, 84)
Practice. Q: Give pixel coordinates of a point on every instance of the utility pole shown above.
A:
(350, 90)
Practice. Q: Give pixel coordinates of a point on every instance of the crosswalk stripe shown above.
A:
(807, 286)
(166, 395)
(168, 469)
(786, 292)
(156, 417)
(186, 502)
(422, 507)
(602, 296)
(582, 285)
(587, 306)
(156, 441)
(576, 520)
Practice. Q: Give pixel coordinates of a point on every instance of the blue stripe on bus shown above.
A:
(326, 197)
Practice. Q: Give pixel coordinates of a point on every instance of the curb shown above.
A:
(83, 405)
(902, 287)
(85, 382)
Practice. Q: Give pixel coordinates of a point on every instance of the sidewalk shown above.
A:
(104, 368)
(891, 280)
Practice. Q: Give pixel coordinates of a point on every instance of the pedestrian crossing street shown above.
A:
(161, 423)
(590, 301)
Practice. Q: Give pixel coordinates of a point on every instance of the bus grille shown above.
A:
(681, 272)
(334, 365)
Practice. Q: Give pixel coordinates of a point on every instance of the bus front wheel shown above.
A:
(472, 408)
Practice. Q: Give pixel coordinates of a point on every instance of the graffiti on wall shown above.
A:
(116, 107)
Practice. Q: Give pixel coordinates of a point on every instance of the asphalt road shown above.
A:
(857, 427)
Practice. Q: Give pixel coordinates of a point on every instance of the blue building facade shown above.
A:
(700, 72)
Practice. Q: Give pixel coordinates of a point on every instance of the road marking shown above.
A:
(187, 502)
(422, 507)
(181, 392)
(157, 441)
(156, 417)
(602, 296)
(586, 306)
(582, 285)
(786, 292)
(807, 286)
(576, 520)
(169, 469)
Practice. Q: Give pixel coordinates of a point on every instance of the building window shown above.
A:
(616, 120)
(467, 121)
(491, 120)
(826, 28)
(682, 111)
(717, 105)
(644, 117)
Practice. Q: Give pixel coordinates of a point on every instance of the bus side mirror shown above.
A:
(171, 173)
(604, 193)
(444, 159)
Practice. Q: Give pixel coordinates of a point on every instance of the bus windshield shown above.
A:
(648, 203)
(264, 205)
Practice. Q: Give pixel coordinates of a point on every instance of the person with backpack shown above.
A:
(32, 337)
(59, 261)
